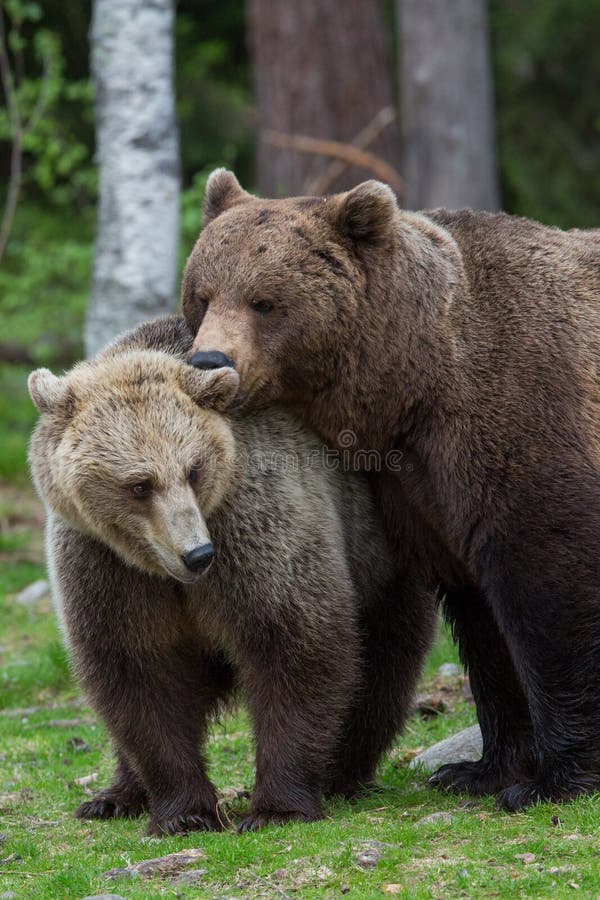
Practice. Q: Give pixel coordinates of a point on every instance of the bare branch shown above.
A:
(16, 126)
(363, 139)
(6, 76)
(347, 152)
(43, 98)
(19, 129)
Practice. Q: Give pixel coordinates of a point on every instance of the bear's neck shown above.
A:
(405, 382)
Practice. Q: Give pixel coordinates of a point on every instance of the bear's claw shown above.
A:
(475, 778)
(111, 806)
(184, 823)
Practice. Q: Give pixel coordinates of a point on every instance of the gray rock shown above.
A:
(171, 864)
(368, 853)
(193, 877)
(33, 593)
(102, 897)
(466, 745)
(450, 670)
(435, 817)
(8, 895)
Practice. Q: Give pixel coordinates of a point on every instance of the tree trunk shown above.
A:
(447, 100)
(135, 264)
(320, 70)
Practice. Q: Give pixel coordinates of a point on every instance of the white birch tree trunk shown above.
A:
(135, 264)
(447, 100)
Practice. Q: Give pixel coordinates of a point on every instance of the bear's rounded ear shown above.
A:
(223, 191)
(367, 212)
(46, 390)
(210, 388)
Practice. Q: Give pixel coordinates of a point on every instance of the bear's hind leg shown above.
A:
(126, 798)
(502, 708)
(298, 693)
(555, 635)
(397, 633)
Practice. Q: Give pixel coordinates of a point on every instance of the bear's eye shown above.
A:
(202, 303)
(141, 490)
(194, 474)
(261, 306)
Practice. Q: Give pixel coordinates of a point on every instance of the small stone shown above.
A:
(391, 888)
(465, 745)
(428, 705)
(104, 897)
(527, 858)
(86, 779)
(171, 864)
(33, 593)
(8, 895)
(450, 670)
(193, 877)
(78, 745)
(435, 817)
(368, 853)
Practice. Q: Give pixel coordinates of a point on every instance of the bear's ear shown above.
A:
(366, 213)
(223, 191)
(210, 388)
(47, 391)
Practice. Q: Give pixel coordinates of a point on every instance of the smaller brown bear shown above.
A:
(192, 553)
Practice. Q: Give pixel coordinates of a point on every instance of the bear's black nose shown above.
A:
(199, 559)
(211, 359)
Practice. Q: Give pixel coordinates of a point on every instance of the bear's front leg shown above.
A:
(126, 798)
(502, 709)
(133, 644)
(298, 685)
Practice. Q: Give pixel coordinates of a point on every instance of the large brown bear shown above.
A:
(191, 553)
(470, 343)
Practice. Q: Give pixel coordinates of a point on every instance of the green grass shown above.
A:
(51, 855)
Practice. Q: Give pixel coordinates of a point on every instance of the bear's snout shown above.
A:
(211, 359)
(199, 559)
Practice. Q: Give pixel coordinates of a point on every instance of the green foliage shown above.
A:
(547, 74)
(213, 87)
(17, 417)
(44, 282)
(57, 162)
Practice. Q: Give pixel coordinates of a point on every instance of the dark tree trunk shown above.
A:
(447, 99)
(320, 70)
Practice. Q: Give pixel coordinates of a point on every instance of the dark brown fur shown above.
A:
(298, 609)
(471, 343)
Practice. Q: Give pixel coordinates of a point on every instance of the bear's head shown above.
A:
(133, 450)
(277, 285)
(328, 305)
